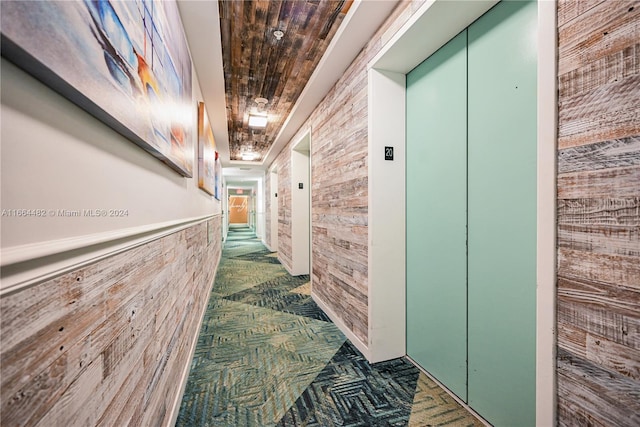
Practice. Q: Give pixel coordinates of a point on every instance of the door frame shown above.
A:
(247, 199)
(434, 24)
(273, 210)
(301, 205)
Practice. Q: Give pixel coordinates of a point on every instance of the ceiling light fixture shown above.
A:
(262, 104)
(278, 34)
(248, 156)
(258, 121)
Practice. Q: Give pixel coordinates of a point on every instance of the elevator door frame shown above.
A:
(434, 24)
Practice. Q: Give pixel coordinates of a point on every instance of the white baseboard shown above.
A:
(286, 267)
(340, 324)
(264, 242)
(293, 272)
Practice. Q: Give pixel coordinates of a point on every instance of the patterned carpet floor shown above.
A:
(268, 356)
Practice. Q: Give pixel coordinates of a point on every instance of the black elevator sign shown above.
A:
(388, 153)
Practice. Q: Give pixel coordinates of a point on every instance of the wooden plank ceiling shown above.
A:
(258, 65)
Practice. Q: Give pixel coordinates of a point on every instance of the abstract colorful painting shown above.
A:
(125, 62)
(207, 154)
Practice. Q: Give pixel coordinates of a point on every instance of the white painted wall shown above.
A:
(273, 244)
(253, 209)
(260, 209)
(55, 156)
(387, 236)
(300, 202)
(225, 209)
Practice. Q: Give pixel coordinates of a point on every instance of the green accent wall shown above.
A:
(471, 214)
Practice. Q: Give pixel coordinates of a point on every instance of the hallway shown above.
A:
(495, 219)
(267, 355)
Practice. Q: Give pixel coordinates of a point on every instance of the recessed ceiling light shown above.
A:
(256, 121)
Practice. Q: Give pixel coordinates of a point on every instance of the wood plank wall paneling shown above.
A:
(598, 74)
(250, 49)
(598, 310)
(285, 247)
(283, 165)
(107, 344)
(339, 186)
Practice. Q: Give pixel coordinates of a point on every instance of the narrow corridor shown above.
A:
(267, 355)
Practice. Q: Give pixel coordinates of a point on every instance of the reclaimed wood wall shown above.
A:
(283, 164)
(598, 309)
(108, 344)
(284, 66)
(284, 215)
(339, 192)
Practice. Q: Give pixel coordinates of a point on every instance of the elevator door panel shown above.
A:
(502, 213)
(436, 215)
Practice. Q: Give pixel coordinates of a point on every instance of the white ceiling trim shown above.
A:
(434, 23)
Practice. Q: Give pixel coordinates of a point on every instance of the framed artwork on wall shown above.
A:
(207, 154)
(125, 62)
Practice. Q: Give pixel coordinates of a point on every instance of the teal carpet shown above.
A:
(267, 355)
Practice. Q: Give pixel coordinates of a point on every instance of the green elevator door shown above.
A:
(471, 214)
(437, 215)
(502, 213)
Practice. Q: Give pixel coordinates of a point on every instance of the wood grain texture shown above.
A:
(597, 31)
(619, 65)
(617, 153)
(600, 184)
(339, 181)
(610, 399)
(258, 65)
(107, 344)
(599, 350)
(619, 269)
(611, 300)
(599, 73)
(609, 211)
(601, 226)
(340, 201)
(283, 164)
(571, 9)
(607, 112)
(598, 187)
(606, 240)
